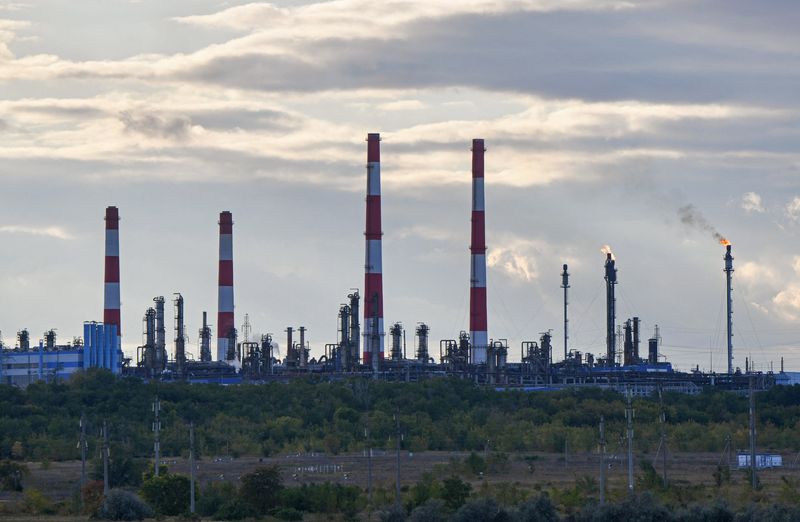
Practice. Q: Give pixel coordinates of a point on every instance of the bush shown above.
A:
(168, 494)
(123, 505)
(393, 513)
(262, 488)
(482, 510)
(540, 509)
(433, 510)
(718, 512)
(455, 492)
(214, 497)
(641, 508)
(235, 510)
(11, 474)
(91, 497)
(36, 503)
(288, 514)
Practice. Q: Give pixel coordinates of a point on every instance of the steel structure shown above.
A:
(180, 336)
(729, 300)
(611, 309)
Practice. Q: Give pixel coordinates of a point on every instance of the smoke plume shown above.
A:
(692, 217)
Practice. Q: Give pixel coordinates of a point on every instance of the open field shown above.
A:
(59, 479)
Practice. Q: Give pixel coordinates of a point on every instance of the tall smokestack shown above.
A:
(225, 320)
(565, 286)
(477, 294)
(611, 309)
(373, 266)
(111, 301)
(728, 274)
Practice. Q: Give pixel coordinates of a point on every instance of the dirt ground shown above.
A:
(59, 479)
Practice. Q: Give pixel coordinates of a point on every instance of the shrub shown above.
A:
(214, 496)
(288, 513)
(168, 494)
(91, 497)
(433, 510)
(261, 489)
(540, 509)
(36, 503)
(235, 510)
(482, 510)
(455, 492)
(393, 513)
(123, 505)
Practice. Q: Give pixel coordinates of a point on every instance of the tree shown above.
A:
(540, 509)
(482, 510)
(261, 489)
(168, 494)
(455, 492)
(11, 474)
(434, 510)
(123, 505)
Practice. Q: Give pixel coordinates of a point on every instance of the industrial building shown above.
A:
(359, 347)
(50, 361)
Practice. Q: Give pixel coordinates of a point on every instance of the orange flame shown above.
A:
(724, 242)
(607, 250)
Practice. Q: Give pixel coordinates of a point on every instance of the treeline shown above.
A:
(41, 422)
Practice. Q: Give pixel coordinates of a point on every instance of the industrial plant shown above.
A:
(359, 349)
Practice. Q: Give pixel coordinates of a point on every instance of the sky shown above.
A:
(602, 120)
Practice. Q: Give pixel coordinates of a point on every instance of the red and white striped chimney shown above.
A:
(225, 320)
(477, 292)
(373, 279)
(111, 301)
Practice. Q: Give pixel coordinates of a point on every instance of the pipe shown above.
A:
(225, 319)
(477, 296)
(373, 266)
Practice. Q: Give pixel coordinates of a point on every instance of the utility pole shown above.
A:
(369, 462)
(84, 446)
(602, 460)
(192, 468)
(106, 487)
(629, 418)
(753, 435)
(157, 432)
(397, 451)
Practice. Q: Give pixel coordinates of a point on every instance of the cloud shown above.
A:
(793, 209)
(402, 105)
(751, 202)
(54, 232)
(155, 126)
(787, 302)
(516, 257)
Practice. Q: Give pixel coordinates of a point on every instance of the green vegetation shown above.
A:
(41, 422)
(497, 430)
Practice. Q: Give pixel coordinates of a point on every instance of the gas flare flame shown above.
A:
(724, 242)
(605, 249)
